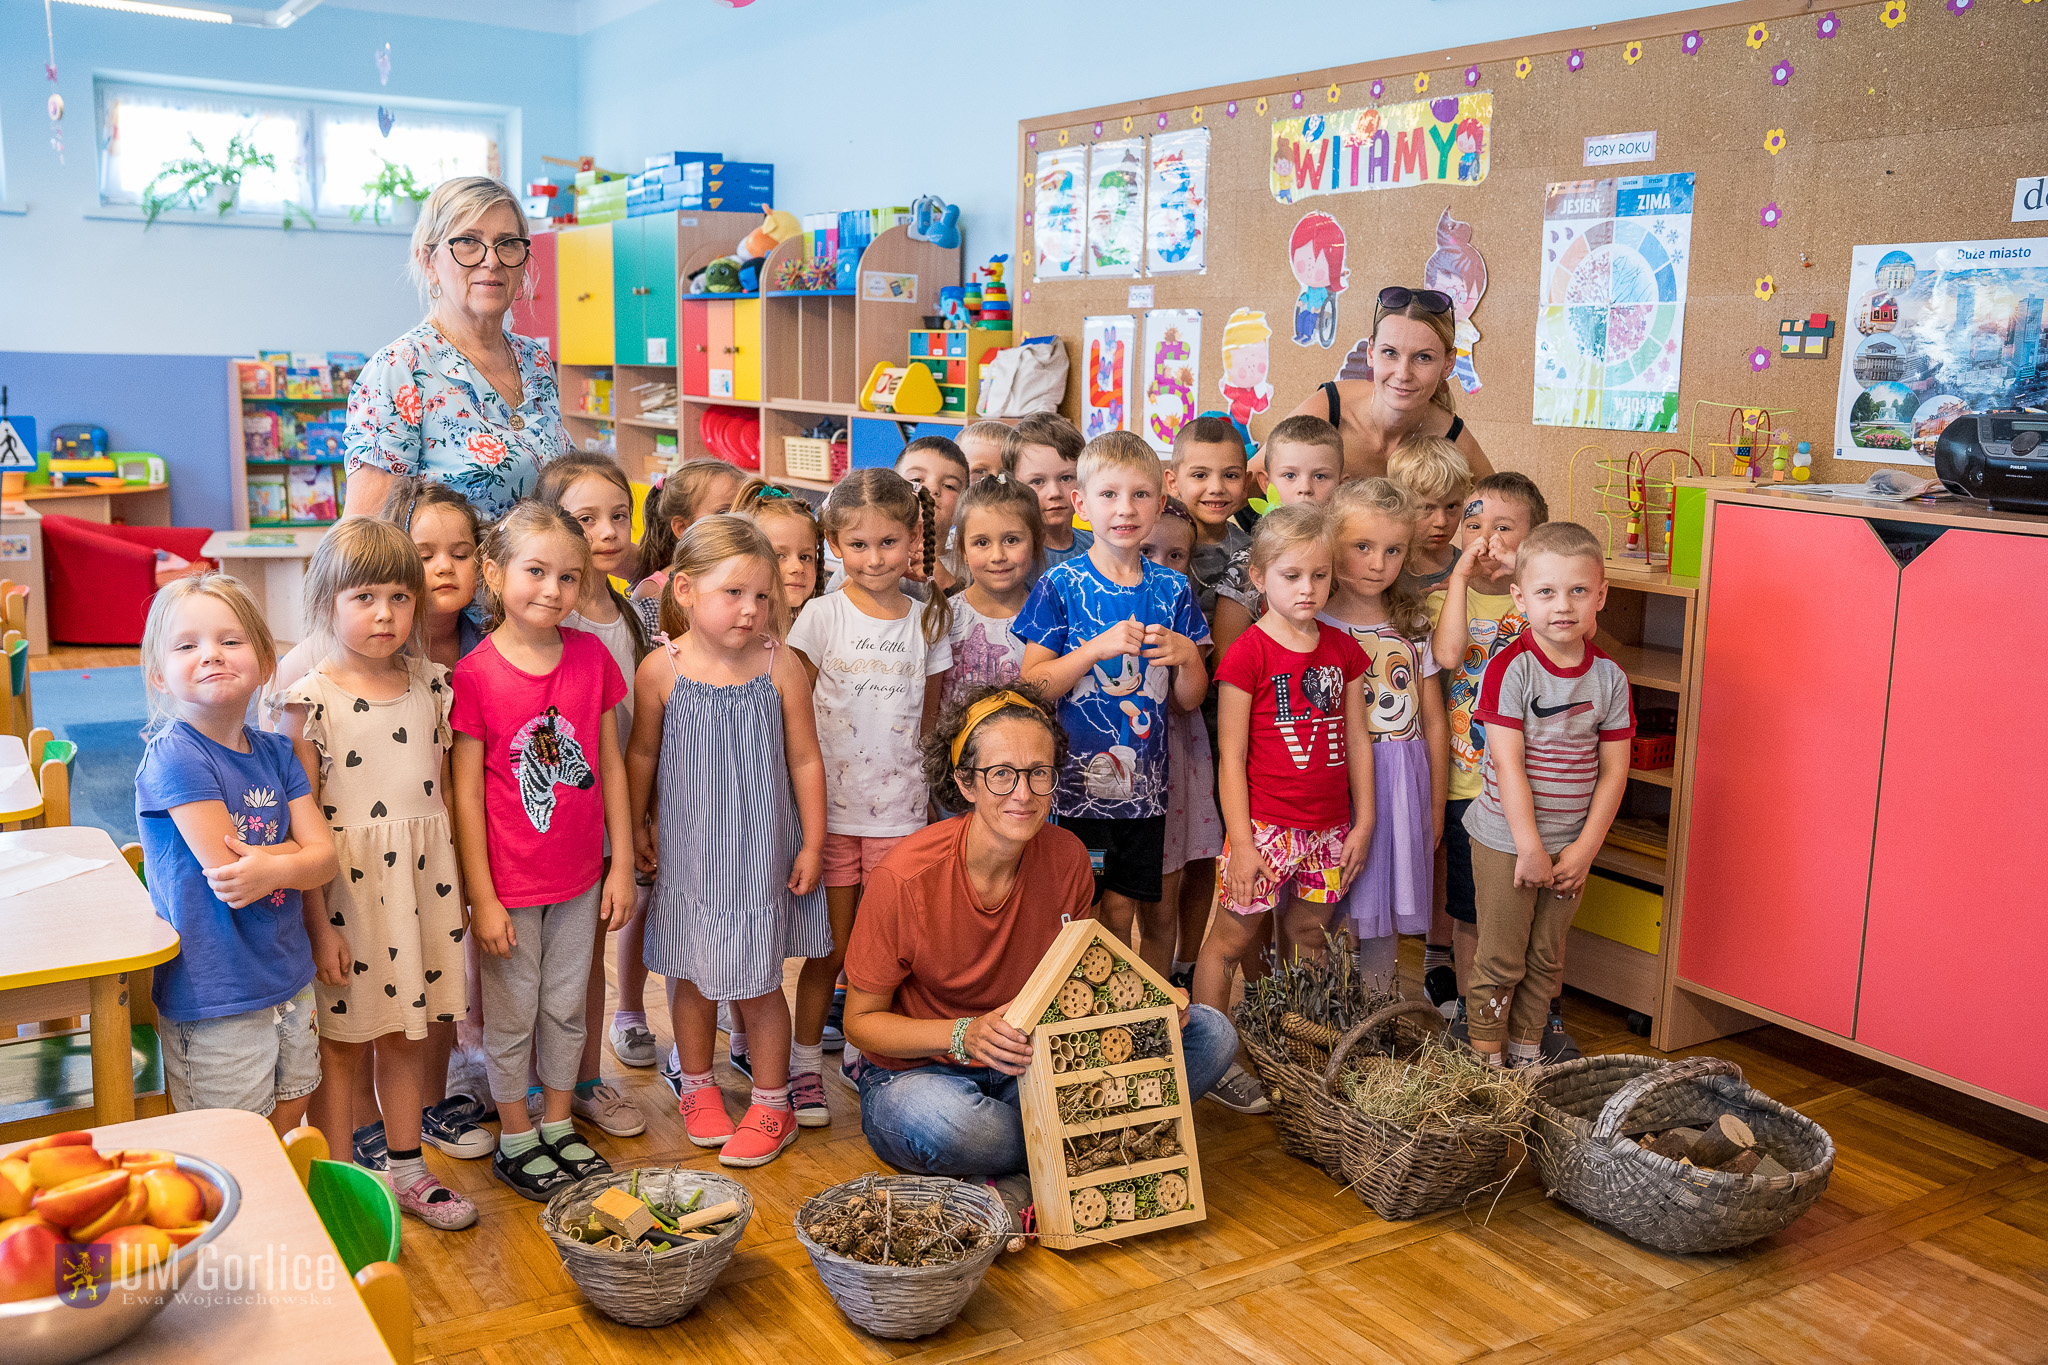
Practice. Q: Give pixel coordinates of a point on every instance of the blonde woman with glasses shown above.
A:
(458, 399)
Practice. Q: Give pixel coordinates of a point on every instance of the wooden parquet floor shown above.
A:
(1931, 1244)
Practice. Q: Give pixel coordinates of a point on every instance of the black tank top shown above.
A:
(1337, 413)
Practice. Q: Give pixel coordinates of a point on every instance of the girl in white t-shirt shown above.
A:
(877, 661)
(1001, 541)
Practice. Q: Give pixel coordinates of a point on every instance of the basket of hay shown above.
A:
(902, 1255)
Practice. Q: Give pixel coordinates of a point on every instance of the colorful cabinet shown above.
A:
(535, 315)
(1957, 908)
(746, 349)
(1797, 660)
(693, 360)
(644, 289)
(583, 272)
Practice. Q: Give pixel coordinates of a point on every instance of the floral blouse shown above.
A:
(420, 407)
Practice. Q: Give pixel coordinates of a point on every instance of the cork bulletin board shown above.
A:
(1806, 131)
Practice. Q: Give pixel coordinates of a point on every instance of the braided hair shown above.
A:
(909, 506)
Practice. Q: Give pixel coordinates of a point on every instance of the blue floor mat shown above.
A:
(102, 711)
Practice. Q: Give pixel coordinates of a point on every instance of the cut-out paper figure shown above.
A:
(1172, 386)
(1457, 268)
(1246, 357)
(1315, 253)
(1106, 370)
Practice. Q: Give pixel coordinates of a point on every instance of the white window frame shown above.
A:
(503, 121)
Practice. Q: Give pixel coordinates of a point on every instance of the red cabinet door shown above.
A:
(535, 316)
(1959, 880)
(1798, 649)
(695, 360)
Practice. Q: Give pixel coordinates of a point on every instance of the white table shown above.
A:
(275, 575)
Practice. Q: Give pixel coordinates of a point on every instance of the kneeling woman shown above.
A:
(952, 924)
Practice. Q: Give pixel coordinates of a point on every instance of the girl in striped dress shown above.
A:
(725, 741)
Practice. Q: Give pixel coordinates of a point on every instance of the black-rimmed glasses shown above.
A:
(1395, 297)
(1001, 780)
(470, 251)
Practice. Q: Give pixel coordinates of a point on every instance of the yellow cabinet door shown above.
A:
(583, 286)
(746, 348)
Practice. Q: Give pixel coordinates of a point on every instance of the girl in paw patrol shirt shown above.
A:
(1379, 608)
(539, 782)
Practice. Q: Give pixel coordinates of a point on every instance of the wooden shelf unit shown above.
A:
(238, 460)
(1649, 627)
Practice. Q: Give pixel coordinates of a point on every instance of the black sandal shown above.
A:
(590, 1165)
(538, 1185)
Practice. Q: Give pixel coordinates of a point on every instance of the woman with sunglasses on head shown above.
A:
(953, 923)
(458, 399)
(1412, 350)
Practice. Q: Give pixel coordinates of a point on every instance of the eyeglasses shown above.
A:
(1395, 297)
(470, 251)
(1001, 780)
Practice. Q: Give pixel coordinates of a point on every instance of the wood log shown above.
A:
(1675, 1143)
(1743, 1162)
(1768, 1167)
(1722, 1140)
(717, 1213)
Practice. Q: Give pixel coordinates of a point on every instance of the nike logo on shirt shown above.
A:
(1546, 712)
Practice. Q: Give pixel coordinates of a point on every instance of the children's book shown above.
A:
(323, 440)
(346, 365)
(256, 379)
(304, 381)
(309, 491)
(267, 502)
(260, 435)
(279, 362)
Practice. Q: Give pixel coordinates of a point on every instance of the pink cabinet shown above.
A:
(1956, 946)
(1796, 663)
(534, 316)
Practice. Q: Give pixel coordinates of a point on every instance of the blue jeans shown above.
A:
(945, 1120)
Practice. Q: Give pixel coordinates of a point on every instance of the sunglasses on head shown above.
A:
(1395, 297)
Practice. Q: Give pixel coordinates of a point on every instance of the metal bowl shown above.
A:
(49, 1331)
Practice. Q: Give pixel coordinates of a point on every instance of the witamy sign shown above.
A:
(1613, 149)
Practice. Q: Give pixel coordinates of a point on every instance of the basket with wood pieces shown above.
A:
(1422, 1124)
(901, 1255)
(1683, 1155)
(1288, 1021)
(645, 1245)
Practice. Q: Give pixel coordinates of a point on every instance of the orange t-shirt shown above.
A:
(921, 937)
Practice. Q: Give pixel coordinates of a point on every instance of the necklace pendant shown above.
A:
(518, 422)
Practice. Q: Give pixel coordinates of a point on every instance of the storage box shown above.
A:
(1652, 751)
(682, 158)
(1616, 910)
(807, 457)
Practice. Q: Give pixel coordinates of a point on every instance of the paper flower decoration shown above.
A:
(1632, 54)
(1031, 140)
(1261, 105)
(1774, 141)
(1769, 217)
(1690, 43)
(1378, 88)
(1827, 26)
(1063, 137)
(1098, 130)
(1195, 114)
(1760, 360)
(1297, 99)
(1894, 13)
(1162, 120)
(1027, 218)
(1765, 287)
(1333, 92)
(1127, 121)
(1230, 109)
(1781, 74)
(1422, 82)
(1027, 296)
(1758, 35)
(1575, 61)
(1958, 6)
(1521, 68)
(1471, 76)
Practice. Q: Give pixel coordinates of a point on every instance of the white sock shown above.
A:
(1524, 1052)
(776, 1097)
(736, 1043)
(806, 1057)
(405, 1172)
(623, 1019)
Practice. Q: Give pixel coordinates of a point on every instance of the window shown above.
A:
(326, 150)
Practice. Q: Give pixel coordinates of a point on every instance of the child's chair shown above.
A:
(14, 644)
(360, 1213)
(52, 758)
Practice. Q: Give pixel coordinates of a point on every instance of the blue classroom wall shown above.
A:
(169, 405)
(875, 103)
(71, 283)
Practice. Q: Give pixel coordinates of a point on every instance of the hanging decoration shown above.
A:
(384, 121)
(56, 101)
(1315, 253)
(1247, 355)
(1457, 268)
(382, 57)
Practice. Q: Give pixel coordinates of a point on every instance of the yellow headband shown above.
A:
(982, 710)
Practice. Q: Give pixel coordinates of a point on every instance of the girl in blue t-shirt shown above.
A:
(231, 834)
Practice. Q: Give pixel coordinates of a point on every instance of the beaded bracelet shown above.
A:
(959, 1048)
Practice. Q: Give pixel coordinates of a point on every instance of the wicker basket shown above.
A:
(906, 1301)
(643, 1288)
(1298, 1082)
(1402, 1172)
(1583, 1108)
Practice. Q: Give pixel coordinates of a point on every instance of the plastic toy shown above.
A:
(776, 228)
(78, 441)
(907, 389)
(1802, 462)
(953, 305)
(934, 220)
(972, 298)
(995, 298)
(1639, 492)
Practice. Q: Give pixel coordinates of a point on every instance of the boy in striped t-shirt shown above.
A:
(1558, 723)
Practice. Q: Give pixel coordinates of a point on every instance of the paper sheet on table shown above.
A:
(23, 870)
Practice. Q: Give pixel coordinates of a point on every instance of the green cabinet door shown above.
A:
(629, 296)
(658, 278)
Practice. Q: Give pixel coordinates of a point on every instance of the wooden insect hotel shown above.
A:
(1108, 1120)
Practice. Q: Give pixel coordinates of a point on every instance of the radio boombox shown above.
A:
(1998, 457)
